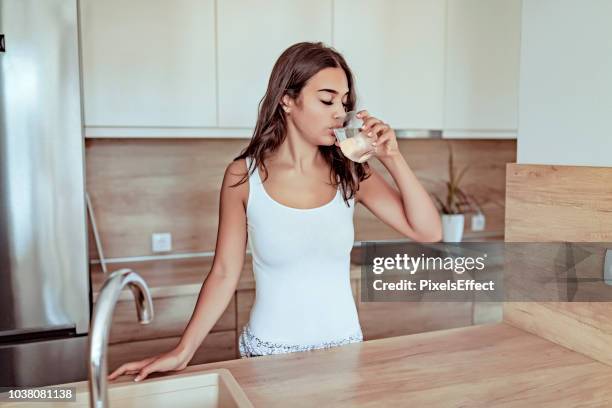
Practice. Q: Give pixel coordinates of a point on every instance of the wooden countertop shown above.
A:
(477, 366)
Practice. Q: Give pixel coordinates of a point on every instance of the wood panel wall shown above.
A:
(138, 187)
(556, 204)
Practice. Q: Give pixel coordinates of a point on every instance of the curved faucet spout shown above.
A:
(100, 327)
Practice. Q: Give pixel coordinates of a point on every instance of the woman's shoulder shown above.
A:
(236, 178)
(237, 166)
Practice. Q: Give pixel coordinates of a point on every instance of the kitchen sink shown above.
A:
(212, 388)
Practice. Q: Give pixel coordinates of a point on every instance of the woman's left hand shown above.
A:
(382, 135)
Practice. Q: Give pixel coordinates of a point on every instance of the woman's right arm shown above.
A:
(219, 286)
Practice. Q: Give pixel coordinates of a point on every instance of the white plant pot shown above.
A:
(452, 227)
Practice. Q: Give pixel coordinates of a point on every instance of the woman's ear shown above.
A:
(286, 103)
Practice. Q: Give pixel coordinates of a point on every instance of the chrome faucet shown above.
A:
(100, 327)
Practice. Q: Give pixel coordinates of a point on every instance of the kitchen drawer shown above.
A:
(171, 317)
(244, 302)
(389, 319)
(218, 346)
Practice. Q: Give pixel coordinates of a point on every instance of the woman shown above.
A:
(293, 193)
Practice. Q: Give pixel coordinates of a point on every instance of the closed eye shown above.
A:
(331, 103)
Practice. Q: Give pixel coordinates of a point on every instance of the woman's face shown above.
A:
(320, 106)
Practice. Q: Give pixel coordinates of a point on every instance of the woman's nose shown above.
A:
(339, 117)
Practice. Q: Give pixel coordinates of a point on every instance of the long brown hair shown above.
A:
(296, 65)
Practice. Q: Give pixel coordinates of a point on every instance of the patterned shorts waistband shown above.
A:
(250, 345)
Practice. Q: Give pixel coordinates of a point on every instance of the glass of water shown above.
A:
(354, 144)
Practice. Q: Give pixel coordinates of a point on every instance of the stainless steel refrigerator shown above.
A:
(45, 292)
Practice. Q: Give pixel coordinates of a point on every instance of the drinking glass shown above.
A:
(354, 144)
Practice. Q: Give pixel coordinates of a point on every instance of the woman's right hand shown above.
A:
(170, 361)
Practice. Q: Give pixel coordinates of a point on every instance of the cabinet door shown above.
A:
(218, 346)
(395, 49)
(148, 63)
(482, 68)
(252, 35)
(171, 317)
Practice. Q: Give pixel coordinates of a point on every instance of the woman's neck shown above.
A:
(296, 153)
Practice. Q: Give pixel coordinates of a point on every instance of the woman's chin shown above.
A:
(326, 140)
(329, 140)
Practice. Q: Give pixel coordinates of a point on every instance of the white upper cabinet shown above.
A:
(482, 68)
(148, 63)
(251, 36)
(199, 68)
(395, 49)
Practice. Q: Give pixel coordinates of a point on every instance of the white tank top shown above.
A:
(301, 263)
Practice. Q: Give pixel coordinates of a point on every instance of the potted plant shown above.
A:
(456, 203)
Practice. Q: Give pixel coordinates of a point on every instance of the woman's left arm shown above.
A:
(409, 211)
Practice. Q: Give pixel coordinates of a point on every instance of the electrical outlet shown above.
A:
(478, 222)
(161, 242)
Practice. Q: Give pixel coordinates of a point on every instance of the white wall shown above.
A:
(565, 100)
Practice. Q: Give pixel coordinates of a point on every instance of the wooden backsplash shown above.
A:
(557, 204)
(138, 187)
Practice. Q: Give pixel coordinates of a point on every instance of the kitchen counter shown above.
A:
(478, 366)
(175, 284)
